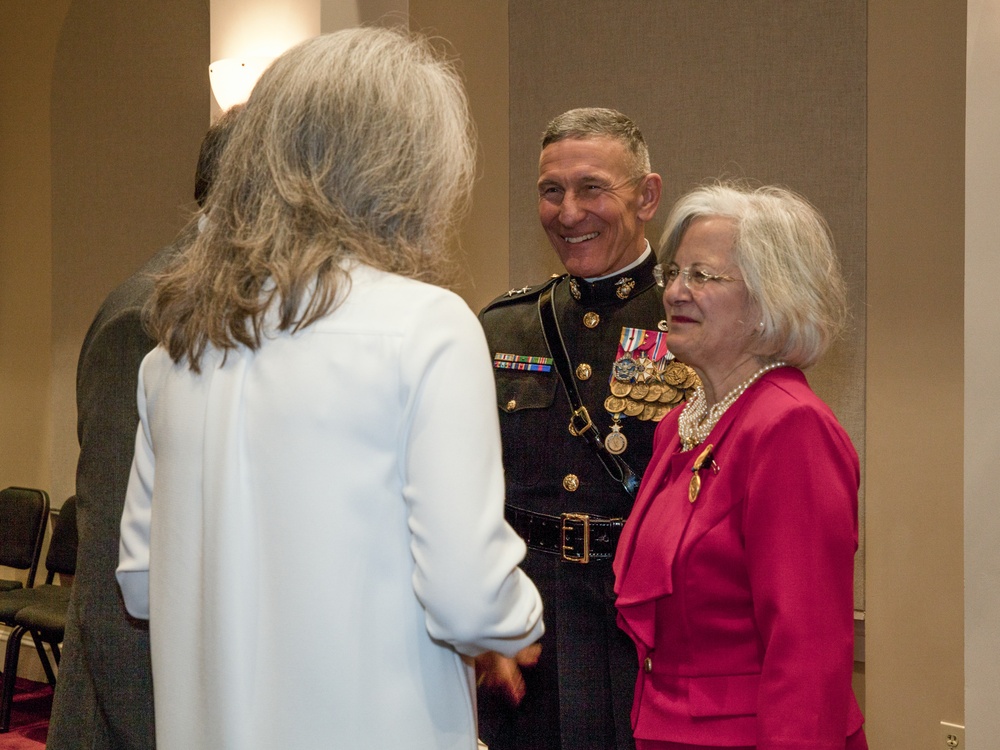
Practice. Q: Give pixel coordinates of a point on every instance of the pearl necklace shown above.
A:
(697, 420)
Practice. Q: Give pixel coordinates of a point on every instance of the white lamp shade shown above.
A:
(233, 78)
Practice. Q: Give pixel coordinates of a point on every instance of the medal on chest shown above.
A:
(646, 382)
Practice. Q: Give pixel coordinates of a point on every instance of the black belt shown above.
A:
(575, 537)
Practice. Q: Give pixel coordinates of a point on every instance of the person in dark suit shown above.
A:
(567, 494)
(104, 696)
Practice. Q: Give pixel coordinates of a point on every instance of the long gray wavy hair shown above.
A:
(356, 145)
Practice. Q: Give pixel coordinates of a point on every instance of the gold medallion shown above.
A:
(571, 482)
(591, 319)
(648, 410)
(639, 391)
(633, 408)
(654, 393)
(584, 371)
(675, 373)
(615, 442)
(620, 389)
(669, 394)
(614, 405)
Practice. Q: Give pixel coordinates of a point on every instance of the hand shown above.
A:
(499, 673)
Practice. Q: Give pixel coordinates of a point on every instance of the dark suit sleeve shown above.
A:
(104, 699)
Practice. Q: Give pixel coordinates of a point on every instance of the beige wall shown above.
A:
(481, 42)
(916, 109)
(982, 365)
(29, 33)
(129, 109)
(103, 108)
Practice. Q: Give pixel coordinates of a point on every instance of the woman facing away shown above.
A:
(314, 519)
(735, 568)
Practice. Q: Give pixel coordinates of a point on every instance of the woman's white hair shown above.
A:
(786, 255)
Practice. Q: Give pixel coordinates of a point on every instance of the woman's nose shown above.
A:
(675, 291)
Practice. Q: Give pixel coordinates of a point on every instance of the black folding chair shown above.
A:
(23, 515)
(42, 610)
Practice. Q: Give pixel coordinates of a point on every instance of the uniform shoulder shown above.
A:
(521, 296)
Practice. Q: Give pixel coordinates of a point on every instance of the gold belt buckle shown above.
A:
(567, 520)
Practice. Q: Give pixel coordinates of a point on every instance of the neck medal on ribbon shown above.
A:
(646, 382)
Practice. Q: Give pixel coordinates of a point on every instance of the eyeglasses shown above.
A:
(693, 278)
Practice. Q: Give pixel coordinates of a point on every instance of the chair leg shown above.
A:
(43, 657)
(9, 675)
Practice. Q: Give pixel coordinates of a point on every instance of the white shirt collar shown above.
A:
(638, 261)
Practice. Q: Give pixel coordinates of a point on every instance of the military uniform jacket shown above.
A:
(579, 695)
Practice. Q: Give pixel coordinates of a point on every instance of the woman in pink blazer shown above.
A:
(735, 569)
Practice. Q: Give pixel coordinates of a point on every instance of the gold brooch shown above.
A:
(705, 458)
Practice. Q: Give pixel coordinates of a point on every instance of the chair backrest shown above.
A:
(61, 557)
(23, 515)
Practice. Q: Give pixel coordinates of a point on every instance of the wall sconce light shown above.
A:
(233, 78)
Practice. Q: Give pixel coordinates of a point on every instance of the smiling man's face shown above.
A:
(591, 207)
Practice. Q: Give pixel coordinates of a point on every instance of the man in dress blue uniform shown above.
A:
(564, 467)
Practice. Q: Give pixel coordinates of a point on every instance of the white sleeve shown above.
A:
(133, 547)
(466, 555)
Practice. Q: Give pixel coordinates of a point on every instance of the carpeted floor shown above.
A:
(29, 721)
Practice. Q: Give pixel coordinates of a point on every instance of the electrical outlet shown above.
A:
(951, 736)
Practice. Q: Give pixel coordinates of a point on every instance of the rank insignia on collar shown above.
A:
(574, 288)
(522, 290)
(625, 286)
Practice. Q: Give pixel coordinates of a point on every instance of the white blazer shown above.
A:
(315, 531)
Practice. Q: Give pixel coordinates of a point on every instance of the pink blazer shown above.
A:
(740, 603)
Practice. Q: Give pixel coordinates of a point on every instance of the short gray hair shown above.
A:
(786, 255)
(597, 122)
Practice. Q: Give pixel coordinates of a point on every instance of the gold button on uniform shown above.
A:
(591, 319)
(584, 371)
(571, 482)
(647, 665)
(512, 404)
